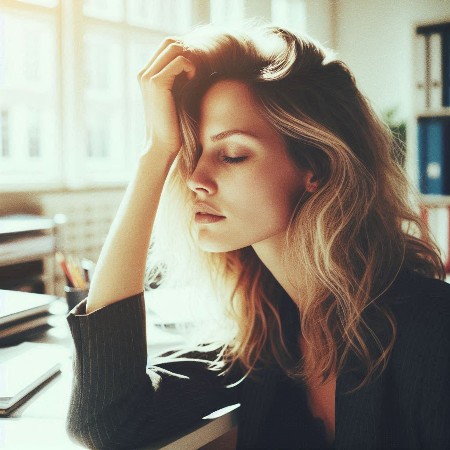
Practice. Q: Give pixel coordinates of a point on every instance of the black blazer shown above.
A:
(117, 403)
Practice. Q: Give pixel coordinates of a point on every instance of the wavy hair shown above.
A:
(349, 239)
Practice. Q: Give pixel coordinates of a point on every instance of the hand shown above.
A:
(156, 81)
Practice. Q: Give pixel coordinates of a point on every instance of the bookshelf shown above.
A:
(27, 252)
(432, 125)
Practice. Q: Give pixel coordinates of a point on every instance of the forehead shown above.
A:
(229, 104)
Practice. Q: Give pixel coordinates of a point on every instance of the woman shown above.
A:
(284, 189)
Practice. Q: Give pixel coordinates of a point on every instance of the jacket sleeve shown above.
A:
(434, 383)
(119, 402)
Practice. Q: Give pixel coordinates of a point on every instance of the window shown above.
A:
(227, 12)
(29, 129)
(161, 15)
(71, 114)
(290, 13)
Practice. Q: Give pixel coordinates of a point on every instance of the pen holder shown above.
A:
(74, 296)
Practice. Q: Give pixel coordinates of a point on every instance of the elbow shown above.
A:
(91, 433)
(100, 433)
(82, 431)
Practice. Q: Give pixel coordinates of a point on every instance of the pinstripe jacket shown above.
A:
(119, 402)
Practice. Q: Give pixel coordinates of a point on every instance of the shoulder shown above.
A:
(421, 307)
(420, 360)
(413, 295)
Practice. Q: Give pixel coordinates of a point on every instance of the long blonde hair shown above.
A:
(349, 239)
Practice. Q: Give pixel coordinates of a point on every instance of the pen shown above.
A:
(62, 262)
(75, 272)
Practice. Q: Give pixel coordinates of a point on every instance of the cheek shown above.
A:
(273, 201)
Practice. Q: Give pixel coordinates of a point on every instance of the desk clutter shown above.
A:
(78, 273)
(23, 314)
(78, 277)
(24, 368)
(27, 242)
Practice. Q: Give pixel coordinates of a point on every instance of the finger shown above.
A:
(168, 74)
(164, 44)
(168, 55)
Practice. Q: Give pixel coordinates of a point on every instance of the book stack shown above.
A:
(22, 315)
(432, 92)
(25, 241)
(434, 155)
(433, 60)
(438, 220)
(25, 368)
(433, 106)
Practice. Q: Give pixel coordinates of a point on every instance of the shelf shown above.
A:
(442, 112)
(20, 223)
(435, 200)
(432, 25)
(27, 242)
(27, 248)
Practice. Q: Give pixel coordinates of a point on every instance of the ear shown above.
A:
(311, 181)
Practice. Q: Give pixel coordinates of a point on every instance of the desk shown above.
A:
(39, 423)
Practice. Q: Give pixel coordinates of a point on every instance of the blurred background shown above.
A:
(71, 117)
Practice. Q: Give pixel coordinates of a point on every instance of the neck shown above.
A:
(270, 253)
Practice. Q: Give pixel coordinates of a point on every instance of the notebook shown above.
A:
(25, 367)
(16, 305)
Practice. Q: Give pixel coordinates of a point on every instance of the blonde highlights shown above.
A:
(347, 242)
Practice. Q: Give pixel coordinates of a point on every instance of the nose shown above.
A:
(201, 180)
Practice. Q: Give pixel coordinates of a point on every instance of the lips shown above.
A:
(206, 214)
(207, 218)
(203, 208)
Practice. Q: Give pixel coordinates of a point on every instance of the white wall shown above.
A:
(374, 37)
(320, 18)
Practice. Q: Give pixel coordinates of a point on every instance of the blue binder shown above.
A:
(422, 146)
(434, 156)
(446, 67)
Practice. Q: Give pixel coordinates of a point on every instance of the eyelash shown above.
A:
(230, 160)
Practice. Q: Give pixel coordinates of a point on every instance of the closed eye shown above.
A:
(230, 160)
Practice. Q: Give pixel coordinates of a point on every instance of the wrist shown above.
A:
(154, 148)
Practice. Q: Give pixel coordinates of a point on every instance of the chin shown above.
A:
(211, 246)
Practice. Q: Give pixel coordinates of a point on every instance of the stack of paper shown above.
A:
(22, 313)
(25, 367)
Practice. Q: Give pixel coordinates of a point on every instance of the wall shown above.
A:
(89, 214)
(320, 21)
(375, 39)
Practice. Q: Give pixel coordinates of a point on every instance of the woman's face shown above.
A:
(248, 180)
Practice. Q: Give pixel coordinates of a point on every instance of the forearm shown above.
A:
(116, 401)
(120, 269)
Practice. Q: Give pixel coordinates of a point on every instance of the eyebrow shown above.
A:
(228, 133)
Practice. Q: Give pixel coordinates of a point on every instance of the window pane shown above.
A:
(34, 130)
(140, 52)
(182, 21)
(105, 143)
(112, 10)
(31, 137)
(98, 128)
(47, 3)
(103, 66)
(29, 124)
(2, 49)
(104, 105)
(143, 13)
(29, 53)
(227, 12)
(289, 13)
(5, 151)
(159, 15)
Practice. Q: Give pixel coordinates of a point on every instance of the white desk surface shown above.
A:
(39, 423)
